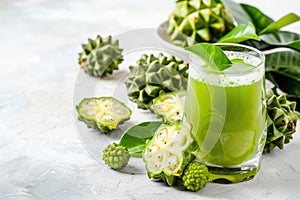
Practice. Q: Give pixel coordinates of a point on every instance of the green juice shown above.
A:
(228, 117)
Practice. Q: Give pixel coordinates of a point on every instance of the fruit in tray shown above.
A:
(104, 113)
(100, 57)
(196, 21)
(153, 76)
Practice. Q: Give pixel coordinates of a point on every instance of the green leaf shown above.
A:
(211, 54)
(237, 12)
(282, 22)
(260, 45)
(282, 38)
(283, 58)
(240, 33)
(135, 138)
(258, 18)
(283, 70)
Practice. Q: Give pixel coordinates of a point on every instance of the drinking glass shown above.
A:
(227, 111)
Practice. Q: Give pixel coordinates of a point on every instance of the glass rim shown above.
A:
(259, 54)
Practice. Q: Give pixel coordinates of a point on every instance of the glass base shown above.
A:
(239, 173)
(227, 175)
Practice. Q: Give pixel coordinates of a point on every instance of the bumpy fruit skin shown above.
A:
(153, 76)
(104, 113)
(169, 106)
(101, 56)
(195, 176)
(169, 151)
(116, 156)
(281, 121)
(196, 21)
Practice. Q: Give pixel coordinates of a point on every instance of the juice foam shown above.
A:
(236, 75)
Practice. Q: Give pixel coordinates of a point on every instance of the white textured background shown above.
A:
(41, 156)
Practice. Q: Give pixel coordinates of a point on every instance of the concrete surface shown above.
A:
(43, 153)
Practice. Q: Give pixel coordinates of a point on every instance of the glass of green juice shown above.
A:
(227, 111)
